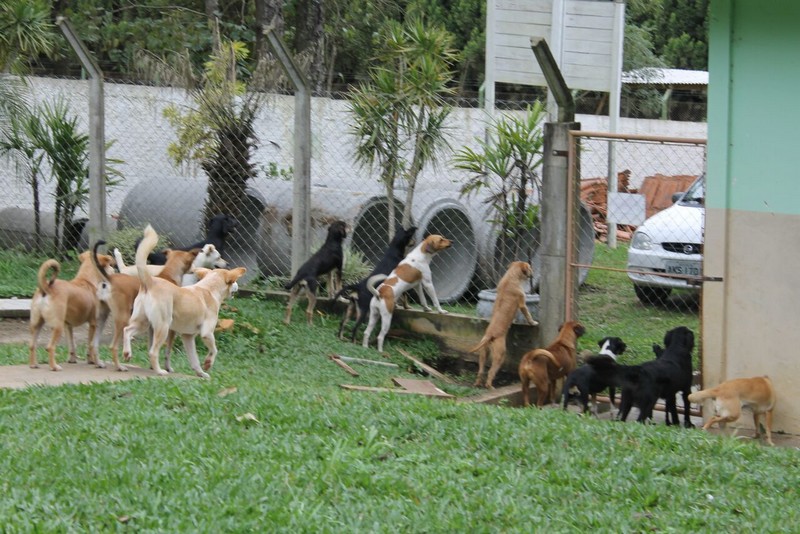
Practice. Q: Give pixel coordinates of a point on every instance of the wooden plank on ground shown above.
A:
(353, 387)
(423, 387)
(362, 360)
(343, 365)
(425, 367)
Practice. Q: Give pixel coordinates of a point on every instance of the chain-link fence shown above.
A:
(45, 177)
(647, 271)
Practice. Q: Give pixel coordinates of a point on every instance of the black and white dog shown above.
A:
(642, 385)
(358, 295)
(589, 380)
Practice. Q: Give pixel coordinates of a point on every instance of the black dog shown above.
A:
(359, 295)
(592, 379)
(329, 259)
(217, 230)
(662, 378)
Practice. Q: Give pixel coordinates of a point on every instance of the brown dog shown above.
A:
(63, 305)
(118, 292)
(731, 395)
(544, 366)
(510, 299)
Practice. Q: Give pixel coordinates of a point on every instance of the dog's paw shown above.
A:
(443, 312)
(162, 372)
(122, 369)
(100, 364)
(688, 424)
(202, 374)
(56, 368)
(427, 309)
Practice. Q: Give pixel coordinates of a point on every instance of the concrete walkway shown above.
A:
(22, 376)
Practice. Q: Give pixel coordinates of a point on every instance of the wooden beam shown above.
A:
(425, 367)
(343, 365)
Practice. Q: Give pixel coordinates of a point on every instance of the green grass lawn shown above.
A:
(183, 455)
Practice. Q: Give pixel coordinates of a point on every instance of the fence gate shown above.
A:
(646, 275)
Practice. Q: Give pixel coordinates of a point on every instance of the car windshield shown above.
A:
(696, 194)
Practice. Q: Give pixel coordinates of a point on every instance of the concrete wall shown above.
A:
(753, 216)
(135, 121)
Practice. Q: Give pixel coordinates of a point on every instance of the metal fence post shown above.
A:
(97, 142)
(301, 193)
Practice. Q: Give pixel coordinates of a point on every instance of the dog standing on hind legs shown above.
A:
(510, 300)
(63, 305)
(543, 367)
(730, 396)
(329, 259)
(413, 272)
(359, 295)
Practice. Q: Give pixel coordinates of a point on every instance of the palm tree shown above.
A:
(402, 109)
(25, 32)
(18, 144)
(506, 167)
(219, 133)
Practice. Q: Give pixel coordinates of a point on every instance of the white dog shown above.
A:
(413, 272)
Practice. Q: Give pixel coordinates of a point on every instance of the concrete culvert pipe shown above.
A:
(453, 269)
(174, 207)
(363, 211)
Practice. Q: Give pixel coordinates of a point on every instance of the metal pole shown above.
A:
(97, 142)
(301, 193)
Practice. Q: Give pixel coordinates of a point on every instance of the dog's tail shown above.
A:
(372, 281)
(119, 259)
(485, 340)
(41, 280)
(146, 246)
(96, 261)
(546, 354)
(699, 396)
(297, 278)
(350, 288)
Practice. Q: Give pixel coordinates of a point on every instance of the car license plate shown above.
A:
(684, 268)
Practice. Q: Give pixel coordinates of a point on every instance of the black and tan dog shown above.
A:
(358, 295)
(543, 367)
(589, 380)
(329, 259)
(730, 396)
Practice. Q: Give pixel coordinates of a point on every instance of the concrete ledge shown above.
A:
(454, 333)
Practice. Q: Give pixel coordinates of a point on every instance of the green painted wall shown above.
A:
(754, 144)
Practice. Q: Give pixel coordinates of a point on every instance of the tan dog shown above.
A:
(63, 305)
(187, 311)
(510, 299)
(544, 366)
(414, 271)
(731, 395)
(118, 292)
(208, 256)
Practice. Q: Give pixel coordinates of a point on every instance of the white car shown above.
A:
(669, 243)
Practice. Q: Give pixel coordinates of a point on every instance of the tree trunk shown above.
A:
(37, 219)
(212, 14)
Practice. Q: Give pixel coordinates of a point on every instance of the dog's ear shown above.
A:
(602, 341)
(201, 272)
(578, 329)
(234, 274)
(195, 251)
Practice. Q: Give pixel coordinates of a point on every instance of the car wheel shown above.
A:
(652, 296)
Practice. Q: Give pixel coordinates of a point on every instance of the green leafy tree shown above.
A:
(25, 32)
(680, 33)
(399, 114)
(505, 169)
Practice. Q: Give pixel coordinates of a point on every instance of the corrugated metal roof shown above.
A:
(666, 77)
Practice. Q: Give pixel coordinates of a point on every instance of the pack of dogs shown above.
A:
(179, 291)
